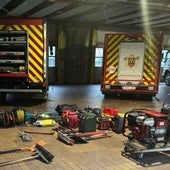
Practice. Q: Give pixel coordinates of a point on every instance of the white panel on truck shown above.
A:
(131, 61)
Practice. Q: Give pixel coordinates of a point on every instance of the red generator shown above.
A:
(146, 126)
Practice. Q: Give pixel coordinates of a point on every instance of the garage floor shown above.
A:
(99, 154)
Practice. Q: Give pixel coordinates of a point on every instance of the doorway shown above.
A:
(52, 65)
(98, 65)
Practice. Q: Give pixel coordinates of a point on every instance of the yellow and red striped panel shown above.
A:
(35, 48)
(112, 54)
(151, 60)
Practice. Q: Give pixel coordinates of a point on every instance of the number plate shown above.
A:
(128, 87)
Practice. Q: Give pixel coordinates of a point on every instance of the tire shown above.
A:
(118, 124)
(3, 97)
(130, 136)
(167, 79)
(126, 149)
(151, 144)
(140, 156)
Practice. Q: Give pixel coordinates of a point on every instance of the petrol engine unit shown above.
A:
(147, 126)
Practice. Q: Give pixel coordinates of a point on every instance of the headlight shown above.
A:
(151, 88)
(107, 86)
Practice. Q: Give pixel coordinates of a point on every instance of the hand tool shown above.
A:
(31, 148)
(37, 132)
(41, 153)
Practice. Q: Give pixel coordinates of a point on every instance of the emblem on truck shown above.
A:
(131, 60)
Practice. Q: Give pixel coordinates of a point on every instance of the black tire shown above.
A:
(151, 144)
(140, 156)
(126, 149)
(165, 110)
(118, 124)
(167, 79)
(130, 136)
(3, 97)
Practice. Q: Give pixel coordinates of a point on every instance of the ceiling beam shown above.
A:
(10, 6)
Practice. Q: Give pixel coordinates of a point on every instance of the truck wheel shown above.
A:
(151, 144)
(167, 79)
(118, 124)
(126, 149)
(140, 156)
(130, 136)
(3, 97)
(44, 97)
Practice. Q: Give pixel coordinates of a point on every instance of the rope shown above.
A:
(2, 119)
(11, 119)
(19, 115)
(6, 119)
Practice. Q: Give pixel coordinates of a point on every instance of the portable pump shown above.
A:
(147, 126)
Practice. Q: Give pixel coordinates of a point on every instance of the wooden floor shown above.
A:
(99, 154)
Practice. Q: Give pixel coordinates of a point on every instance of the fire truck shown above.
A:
(23, 57)
(131, 64)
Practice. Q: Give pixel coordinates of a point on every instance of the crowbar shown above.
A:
(37, 132)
